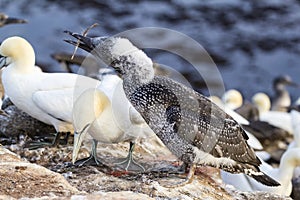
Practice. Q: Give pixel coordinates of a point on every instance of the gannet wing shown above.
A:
(57, 81)
(56, 103)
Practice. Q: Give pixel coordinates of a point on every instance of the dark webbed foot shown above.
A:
(186, 181)
(46, 141)
(129, 164)
(92, 159)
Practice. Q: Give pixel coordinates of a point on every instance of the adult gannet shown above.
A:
(106, 114)
(5, 20)
(275, 118)
(48, 97)
(193, 128)
(284, 174)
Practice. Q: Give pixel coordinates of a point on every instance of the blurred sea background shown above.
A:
(251, 41)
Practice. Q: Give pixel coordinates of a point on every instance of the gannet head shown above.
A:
(280, 82)
(233, 99)
(17, 52)
(119, 53)
(262, 101)
(291, 157)
(88, 106)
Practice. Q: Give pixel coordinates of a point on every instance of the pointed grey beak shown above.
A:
(293, 84)
(11, 20)
(78, 139)
(86, 43)
(76, 146)
(2, 62)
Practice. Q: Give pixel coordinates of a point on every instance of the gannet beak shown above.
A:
(2, 62)
(11, 20)
(293, 84)
(86, 43)
(77, 144)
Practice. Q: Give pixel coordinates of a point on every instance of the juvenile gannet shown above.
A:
(231, 100)
(106, 114)
(282, 98)
(193, 128)
(284, 174)
(48, 97)
(5, 20)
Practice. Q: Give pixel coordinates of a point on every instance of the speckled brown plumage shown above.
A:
(194, 129)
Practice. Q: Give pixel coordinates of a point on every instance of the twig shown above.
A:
(84, 34)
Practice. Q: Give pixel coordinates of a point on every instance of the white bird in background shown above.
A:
(275, 118)
(284, 174)
(106, 114)
(48, 97)
(233, 99)
(295, 117)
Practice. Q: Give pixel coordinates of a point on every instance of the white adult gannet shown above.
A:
(106, 114)
(295, 117)
(284, 174)
(47, 97)
(275, 118)
(233, 99)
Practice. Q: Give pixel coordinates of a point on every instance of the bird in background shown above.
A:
(282, 98)
(283, 174)
(194, 129)
(6, 20)
(276, 118)
(48, 97)
(107, 115)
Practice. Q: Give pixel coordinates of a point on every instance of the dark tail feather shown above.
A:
(263, 178)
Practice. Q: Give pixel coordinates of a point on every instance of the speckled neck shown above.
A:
(134, 74)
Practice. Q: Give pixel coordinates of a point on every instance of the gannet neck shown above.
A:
(89, 105)
(20, 54)
(289, 161)
(282, 99)
(133, 64)
(233, 99)
(262, 102)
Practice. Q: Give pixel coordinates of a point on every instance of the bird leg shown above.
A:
(56, 141)
(92, 158)
(187, 180)
(129, 162)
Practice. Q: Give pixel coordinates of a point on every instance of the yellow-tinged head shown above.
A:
(262, 101)
(18, 52)
(233, 99)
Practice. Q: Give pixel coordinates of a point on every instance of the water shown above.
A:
(250, 41)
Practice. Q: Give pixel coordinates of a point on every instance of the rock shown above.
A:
(23, 179)
(123, 195)
(18, 122)
(262, 195)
